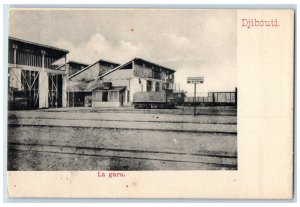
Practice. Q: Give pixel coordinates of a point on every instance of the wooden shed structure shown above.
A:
(83, 82)
(108, 96)
(34, 81)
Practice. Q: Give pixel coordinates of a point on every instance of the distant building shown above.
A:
(72, 67)
(137, 75)
(82, 82)
(110, 96)
(34, 82)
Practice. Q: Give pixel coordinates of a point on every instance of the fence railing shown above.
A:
(229, 97)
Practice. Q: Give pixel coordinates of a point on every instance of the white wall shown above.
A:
(105, 104)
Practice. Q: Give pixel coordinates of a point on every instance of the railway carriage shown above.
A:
(147, 100)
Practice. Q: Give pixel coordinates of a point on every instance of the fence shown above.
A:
(214, 98)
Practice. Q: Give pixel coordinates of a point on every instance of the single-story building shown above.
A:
(108, 96)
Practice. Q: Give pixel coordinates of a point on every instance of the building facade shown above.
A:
(139, 75)
(108, 95)
(83, 82)
(34, 81)
(73, 67)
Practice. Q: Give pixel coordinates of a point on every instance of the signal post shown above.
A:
(195, 81)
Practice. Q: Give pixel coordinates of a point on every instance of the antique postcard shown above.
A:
(150, 103)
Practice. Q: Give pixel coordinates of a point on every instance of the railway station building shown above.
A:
(137, 75)
(81, 83)
(72, 67)
(34, 81)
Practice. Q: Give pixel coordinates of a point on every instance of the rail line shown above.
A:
(215, 160)
(120, 128)
(120, 120)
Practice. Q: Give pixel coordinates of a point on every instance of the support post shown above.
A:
(195, 99)
(195, 80)
(43, 85)
(56, 95)
(15, 74)
(65, 99)
(15, 54)
(130, 99)
(153, 86)
(236, 94)
(160, 86)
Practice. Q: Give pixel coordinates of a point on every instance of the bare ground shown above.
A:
(105, 140)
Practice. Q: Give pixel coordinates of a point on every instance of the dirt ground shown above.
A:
(122, 139)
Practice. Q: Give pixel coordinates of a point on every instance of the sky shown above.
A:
(192, 42)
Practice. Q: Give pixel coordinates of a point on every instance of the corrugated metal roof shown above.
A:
(143, 60)
(38, 44)
(98, 61)
(81, 86)
(140, 59)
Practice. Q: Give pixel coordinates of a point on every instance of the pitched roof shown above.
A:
(39, 45)
(78, 63)
(143, 60)
(120, 66)
(70, 61)
(84, 69)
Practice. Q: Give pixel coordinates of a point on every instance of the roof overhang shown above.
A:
(21, 42)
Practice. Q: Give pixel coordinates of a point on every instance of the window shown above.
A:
(105, 96)
(166, 86)
(149, 85)
(156, 86)
(156, 73)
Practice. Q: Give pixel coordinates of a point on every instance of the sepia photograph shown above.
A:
(154, 102)
(122, 90)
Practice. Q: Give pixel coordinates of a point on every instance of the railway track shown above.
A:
(49, 141)
(208, 159)
(129, 124)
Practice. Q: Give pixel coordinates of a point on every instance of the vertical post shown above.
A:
(129, 94)
(43, 84)
(56, 95)
(30, 104)
(125, 96)
(153, 86)
(73, 99)
(16, 71)
(236, 94)
(15, 54)
(65, 94)
(160, 86)
(195, 99)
